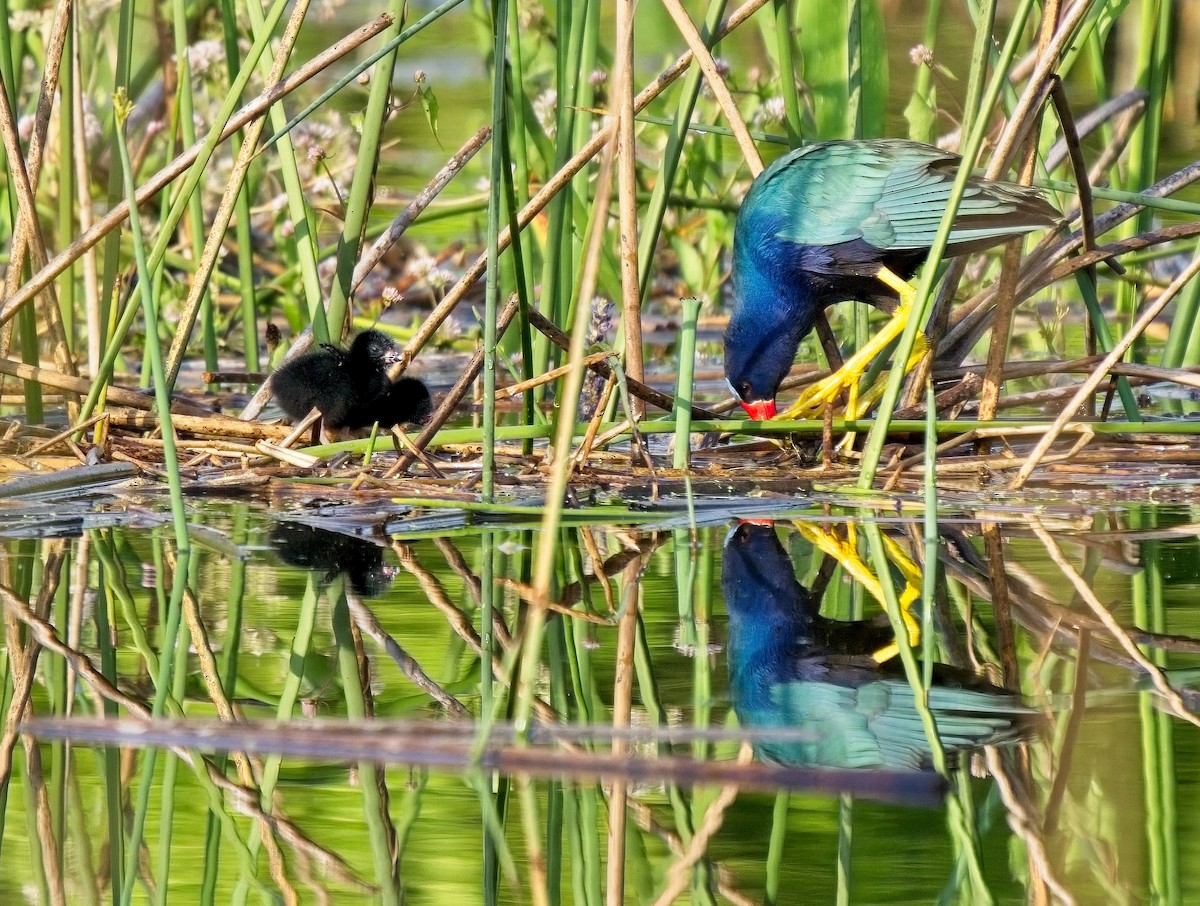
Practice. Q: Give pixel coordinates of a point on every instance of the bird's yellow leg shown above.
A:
(816, 397)
(846, 553)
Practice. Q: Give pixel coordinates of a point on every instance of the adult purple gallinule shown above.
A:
(848, 220)
(351, 387)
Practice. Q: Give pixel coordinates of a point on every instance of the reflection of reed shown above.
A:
(274, 826)
(1043, 808)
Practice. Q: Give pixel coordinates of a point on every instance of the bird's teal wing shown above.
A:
(891, 194)
(878, 724)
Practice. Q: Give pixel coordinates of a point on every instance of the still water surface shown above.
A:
(1063, 766)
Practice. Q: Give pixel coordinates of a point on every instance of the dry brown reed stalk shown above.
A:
(200, 281)
(622, 709)
(463, 385)
(63, 435)
(525, 592)
(1031, 829)
(295, 458)
(631, 295)
(714, 816)
(370, 626)
(209, 425)
(969, 381)
(450, 401)
(1086, 435)
(1050, 262)
(420, 202)
(399, 225)
(559, 338)
(704, 59)
(460, 623)
(550, 376)
(644, 816)
(164, 177)
(210, 674)
(587, 444)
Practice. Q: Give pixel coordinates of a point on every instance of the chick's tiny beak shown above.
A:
(760, 410)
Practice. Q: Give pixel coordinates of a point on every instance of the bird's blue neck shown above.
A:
(770, 614)
(769, 283)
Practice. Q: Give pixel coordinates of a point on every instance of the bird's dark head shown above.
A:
(758, 356)
(376, 347)
(759, 585)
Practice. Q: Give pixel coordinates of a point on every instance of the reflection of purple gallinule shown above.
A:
(351, 387)
(790, 667)
(848, 220)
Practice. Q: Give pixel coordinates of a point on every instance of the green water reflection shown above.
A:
(1087, 797)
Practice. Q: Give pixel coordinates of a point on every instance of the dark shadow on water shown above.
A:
(331, 553)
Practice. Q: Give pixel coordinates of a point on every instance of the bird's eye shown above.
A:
(744, 390)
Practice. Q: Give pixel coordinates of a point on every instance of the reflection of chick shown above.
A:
(791, 667)
(351, 387)
(331, 553)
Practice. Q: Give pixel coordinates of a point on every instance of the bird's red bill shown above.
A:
(760, 410)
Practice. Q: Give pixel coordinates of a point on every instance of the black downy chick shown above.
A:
(351, 388)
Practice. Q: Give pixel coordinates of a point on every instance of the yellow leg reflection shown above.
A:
(813, 399)
(845, 552)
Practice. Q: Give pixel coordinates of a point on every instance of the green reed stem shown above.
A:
(198, 171)
(185, 122)
(496, 211)
(1185, 327)
(786, 59)
(389, 47)
(362, 186)
(686, 369)
(111, 255)
(779, 825)
(921, 110)
(379, 831)
(162, 392)
(883, 570)
(288, 696)
(300, 213)
(845, 849)
(930, 575)
(514, 142)
(162, 687)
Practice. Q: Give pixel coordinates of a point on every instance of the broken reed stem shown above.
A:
(420, 202)
(134, 399)
(27, 236)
